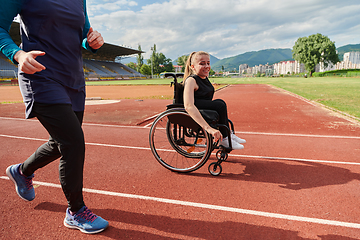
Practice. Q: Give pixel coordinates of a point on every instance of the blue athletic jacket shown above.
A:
(59, 28)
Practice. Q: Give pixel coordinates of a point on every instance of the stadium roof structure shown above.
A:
(108, 52)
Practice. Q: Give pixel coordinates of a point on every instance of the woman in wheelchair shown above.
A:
(198, 94)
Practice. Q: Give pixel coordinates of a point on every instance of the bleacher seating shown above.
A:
(96, 70)
(8, 69)
(113, 70)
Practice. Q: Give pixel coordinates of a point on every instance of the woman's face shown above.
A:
(201, 65)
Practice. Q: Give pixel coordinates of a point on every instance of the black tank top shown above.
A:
(205, 90)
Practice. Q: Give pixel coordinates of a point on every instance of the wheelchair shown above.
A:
(179, 143)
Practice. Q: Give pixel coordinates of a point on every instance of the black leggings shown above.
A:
(66, 142)
(219, 106)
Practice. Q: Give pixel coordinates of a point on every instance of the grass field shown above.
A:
(340, 93)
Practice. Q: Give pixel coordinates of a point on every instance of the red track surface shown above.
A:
(297, 178)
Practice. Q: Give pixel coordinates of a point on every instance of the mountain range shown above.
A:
(269, 56)
(263, 57)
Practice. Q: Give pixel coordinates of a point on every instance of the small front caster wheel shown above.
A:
(215, 169)
(221, 155)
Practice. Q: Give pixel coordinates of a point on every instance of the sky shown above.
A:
(224, 28)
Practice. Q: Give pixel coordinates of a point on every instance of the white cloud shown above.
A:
(94, 7)
(224, 28)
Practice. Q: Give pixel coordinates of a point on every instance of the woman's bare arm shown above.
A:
(191, 109)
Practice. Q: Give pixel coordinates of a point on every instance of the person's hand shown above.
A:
(94, 39)
(27, 62)
(215, 133)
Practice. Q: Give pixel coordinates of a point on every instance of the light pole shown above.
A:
(151, 60)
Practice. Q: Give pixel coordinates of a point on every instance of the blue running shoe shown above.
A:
(23, 185)
(85, 221)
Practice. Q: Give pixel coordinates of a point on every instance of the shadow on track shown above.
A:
(294, 175)
(184, 227)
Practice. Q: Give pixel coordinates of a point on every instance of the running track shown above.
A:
(297, 178)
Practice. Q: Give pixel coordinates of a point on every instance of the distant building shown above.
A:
(288, 67)
(243, 67)
(351, 61)
(353, 57)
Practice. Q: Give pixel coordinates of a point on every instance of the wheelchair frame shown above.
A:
(179, 143)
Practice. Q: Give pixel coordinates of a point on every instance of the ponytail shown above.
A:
(188, 70)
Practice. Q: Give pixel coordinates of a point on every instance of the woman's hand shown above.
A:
(215, 133)
(27, 62)
(94, 39)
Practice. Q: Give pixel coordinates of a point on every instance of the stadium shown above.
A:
(297, 178)
(99, 66)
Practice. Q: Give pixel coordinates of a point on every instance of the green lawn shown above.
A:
(336, 92)
(340, 93)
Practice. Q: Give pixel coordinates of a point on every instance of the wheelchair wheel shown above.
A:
(215, 169)
(178, 142)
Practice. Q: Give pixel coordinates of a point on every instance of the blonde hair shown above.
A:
(188, 70)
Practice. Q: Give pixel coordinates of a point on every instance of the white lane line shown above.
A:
(210, 206)
(299, 135)
(118, 146)
(148, 125)
(234, 155)
(24, 138)
(84, 124)
(295, 159)
(238, 132)
(19, 119)
(114, 126)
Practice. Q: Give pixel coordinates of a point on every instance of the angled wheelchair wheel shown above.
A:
(178, 142)
(215, 169)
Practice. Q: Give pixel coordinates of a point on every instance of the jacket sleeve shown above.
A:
(8, 11)
(86, 29)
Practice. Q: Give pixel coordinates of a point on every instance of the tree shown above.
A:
(132, 65)
(139, 59)
(165, 64)
(145, 69)
(152, 59)
(181, 61)
(313, 50)
(159, 62)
